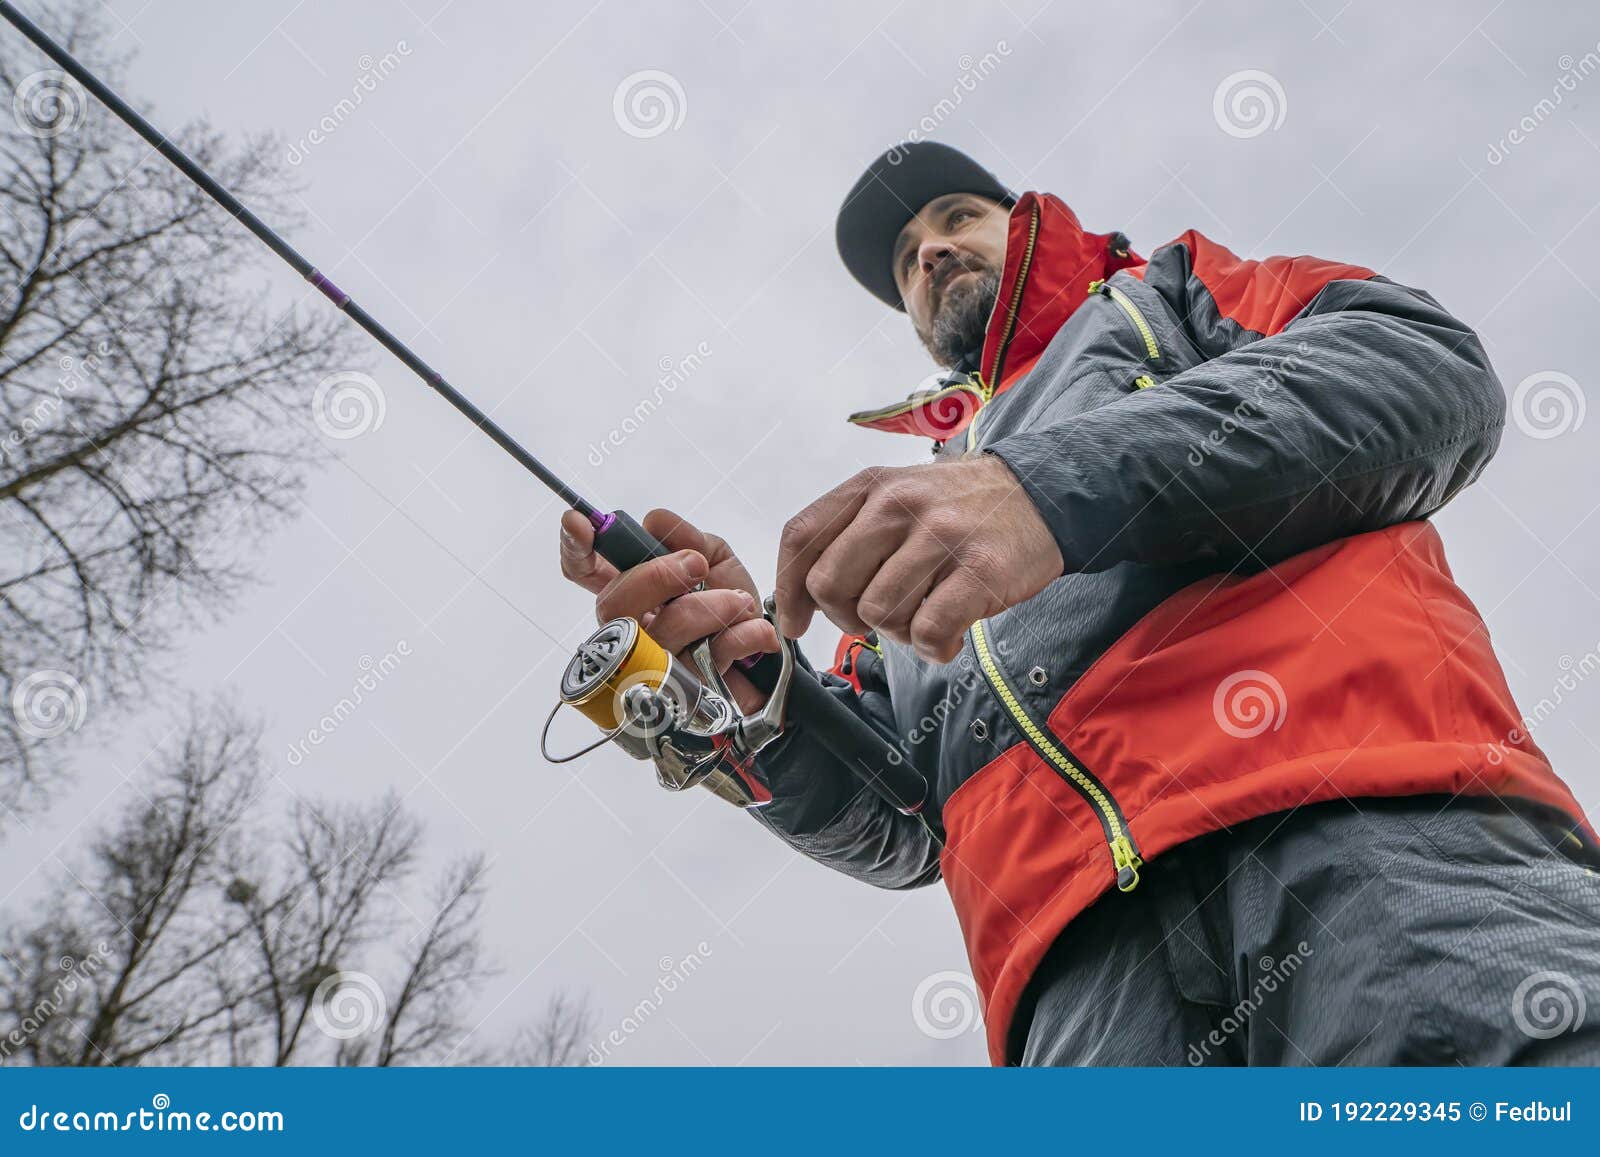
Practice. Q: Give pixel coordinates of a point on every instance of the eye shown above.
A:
(957, 216)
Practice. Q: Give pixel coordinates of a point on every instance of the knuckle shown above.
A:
(870, 477)
(823, 585)
(798, 530)
(893, 495)
(729, 609)
(880, 614)
(978, 557)
(932, 630)
(948, 526)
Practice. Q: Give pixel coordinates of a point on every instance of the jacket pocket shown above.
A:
(1125, 857)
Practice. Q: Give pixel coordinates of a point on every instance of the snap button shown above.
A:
(1038, 677)
(980, 730)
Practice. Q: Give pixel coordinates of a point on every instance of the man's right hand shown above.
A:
(661, 595)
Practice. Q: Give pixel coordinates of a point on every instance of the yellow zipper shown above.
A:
(1016, 300)
(987, 387)
(1146, 334)
(1124, 854)
(985, 396)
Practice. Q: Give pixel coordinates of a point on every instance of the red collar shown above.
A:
(1050, 263)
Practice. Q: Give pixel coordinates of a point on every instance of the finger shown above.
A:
(958, 601)
(579, 562)
(745, 693)
(897, 591)
(805, 537)
(645, 587)
(847, 568)
(692, 617)
(674, 532)
(751, 637)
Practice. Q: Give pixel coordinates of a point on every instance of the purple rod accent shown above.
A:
(601, 521)
(329, 290)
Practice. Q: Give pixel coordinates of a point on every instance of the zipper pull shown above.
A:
(1127, 862)
(1096, 285)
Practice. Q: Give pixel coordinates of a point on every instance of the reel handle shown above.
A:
(621, 541)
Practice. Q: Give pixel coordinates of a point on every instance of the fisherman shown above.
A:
(1225, 768)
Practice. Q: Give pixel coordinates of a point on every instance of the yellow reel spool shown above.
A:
(615, 658)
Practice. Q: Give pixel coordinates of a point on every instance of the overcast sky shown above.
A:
(487, 199)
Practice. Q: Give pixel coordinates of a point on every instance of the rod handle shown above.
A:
(621, 541)
(852, 740)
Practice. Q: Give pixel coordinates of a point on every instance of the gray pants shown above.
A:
(1423, 930)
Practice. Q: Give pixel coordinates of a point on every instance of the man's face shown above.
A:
(947, 265)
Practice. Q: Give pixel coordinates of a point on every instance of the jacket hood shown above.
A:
(1050, 262)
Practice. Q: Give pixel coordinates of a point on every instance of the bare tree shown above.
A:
(198, 932)
(153, 406)
(560, 1039)
(447, 961)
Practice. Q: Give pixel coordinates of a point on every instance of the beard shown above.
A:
(960, 317)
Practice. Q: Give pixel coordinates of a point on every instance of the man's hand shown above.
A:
(661, 595)
(919, 553)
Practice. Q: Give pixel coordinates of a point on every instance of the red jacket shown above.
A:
(1237, 460)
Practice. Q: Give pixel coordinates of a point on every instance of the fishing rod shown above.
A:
(643, 698)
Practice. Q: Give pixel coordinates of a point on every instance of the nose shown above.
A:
(932, 251)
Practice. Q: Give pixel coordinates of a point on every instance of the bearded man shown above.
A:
(1224, 769)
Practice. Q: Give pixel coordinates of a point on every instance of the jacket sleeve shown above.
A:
(821, 810)
(1329, 402)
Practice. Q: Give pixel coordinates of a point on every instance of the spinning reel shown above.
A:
(685, 722)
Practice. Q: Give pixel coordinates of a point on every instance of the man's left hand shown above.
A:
(918, 553)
